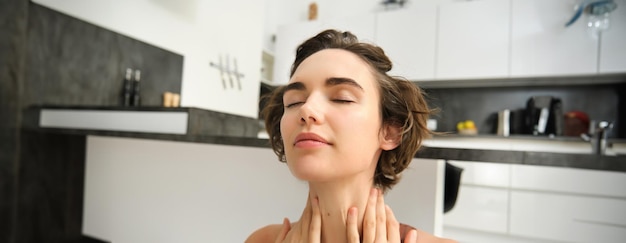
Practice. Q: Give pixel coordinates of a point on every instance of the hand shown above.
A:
(379, 223)
(308, 229)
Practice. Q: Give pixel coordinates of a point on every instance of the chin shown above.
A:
(309, 170)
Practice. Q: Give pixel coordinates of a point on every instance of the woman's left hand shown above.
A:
(379, 223)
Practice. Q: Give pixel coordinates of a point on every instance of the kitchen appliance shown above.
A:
(544, 116)
(575, 123)
(504, 123)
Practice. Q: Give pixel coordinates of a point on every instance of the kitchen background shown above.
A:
(481, 104)
(49, 58)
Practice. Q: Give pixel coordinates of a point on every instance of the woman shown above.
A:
(348, 129)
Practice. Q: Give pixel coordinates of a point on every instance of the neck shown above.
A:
(335, 198)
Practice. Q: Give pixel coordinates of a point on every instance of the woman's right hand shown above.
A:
(307, 229)
(379, 223)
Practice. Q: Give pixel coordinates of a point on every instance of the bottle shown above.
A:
(127, 88)
(136, 98)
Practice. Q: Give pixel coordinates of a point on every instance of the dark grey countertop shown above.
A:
(249, 139)
(580, 161)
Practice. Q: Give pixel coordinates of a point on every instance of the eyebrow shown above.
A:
(332, 81)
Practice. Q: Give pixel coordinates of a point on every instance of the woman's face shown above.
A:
(331, 123)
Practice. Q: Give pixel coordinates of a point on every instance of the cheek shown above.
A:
(283, 125)
(361, 125)
(286, 126)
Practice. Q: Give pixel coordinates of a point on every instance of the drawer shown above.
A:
(479, 208)
(484, 174)
(570, 218)
(170, 122)
(568, 180)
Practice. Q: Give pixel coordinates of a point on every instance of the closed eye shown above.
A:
(343, 101)
(293, 104)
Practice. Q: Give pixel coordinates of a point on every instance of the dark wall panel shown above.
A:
(71, 62)
(50, 201)
(13, 17)
(48, 58)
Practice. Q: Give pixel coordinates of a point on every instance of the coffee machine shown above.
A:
(544, 116)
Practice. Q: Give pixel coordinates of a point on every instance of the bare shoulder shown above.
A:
(265, 234)
(425, 237)
(422, 236)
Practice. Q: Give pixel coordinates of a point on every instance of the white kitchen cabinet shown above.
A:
(567, 217)
(542, 46)
(363, 26)
(473, 40)
(568, 180)
(483, 199)
(537, 203)
(484, 173)
(480, 208)
(613, 42)
(408, 37)
(289, 37)
(573, 205)
(208, 34)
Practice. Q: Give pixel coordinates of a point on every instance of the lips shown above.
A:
(310, 138)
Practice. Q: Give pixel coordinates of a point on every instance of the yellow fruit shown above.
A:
(469, 124)
(460, 126)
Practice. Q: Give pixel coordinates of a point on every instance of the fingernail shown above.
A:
(352, 211)
(373, 192)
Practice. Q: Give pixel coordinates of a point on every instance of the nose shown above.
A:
(311, 111)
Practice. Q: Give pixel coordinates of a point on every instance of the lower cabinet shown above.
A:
(523, 203)
(480, 208)
(569, 218)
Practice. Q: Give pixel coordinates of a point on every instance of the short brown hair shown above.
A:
(402, 104)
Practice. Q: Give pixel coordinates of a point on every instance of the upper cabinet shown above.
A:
(613, 42)
(408, 38)
(220, 41)
(473, 40)
(541, 45)
(480, 39)
(360, 25)
(289, 37)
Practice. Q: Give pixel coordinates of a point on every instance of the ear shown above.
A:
(390, 137)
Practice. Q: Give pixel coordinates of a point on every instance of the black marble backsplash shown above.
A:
(51, 183)
(71, 62)
(48, 58)
(13, 17)
(481, 104)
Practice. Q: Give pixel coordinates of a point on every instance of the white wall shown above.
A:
(139, 190)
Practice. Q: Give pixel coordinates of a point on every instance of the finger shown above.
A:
(369, 219)
(381, 218)
(411, 236)
(393, 227)
(352, 227)
(283, 230)
(305, 220)
(315, 228)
